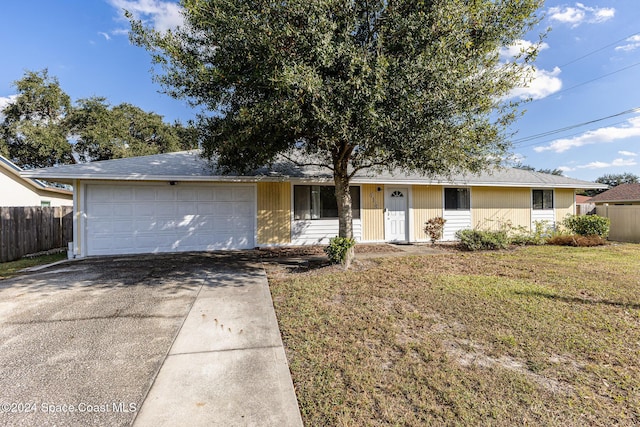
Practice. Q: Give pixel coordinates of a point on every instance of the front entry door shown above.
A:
(395, 223)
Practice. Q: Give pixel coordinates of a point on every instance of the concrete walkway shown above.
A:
(227, 365)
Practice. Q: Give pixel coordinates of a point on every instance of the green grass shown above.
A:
(11, 269)
(537, 336)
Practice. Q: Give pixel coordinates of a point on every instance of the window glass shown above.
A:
(547, 199)
(319, 201)
(537, 199)
(45, 204)
(315, 201)
(457, 199)
(302, 202)
(542, 199)
(355, 201)
(328, 202)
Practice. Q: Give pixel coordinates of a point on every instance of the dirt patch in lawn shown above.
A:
(310, 260)
(318, 250)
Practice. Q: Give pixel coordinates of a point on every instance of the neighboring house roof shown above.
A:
(583, 199)
(619, 193)
(190, 166)
(9, 168)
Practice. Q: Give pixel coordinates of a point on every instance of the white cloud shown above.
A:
(4, 101)
(509, 52)
(162, 15)
(633, 43)
(517, 158)
(543, 83)
(120, 32)
(631, 128)
(566, 168)
(603, 14)
(568, 15)
(627, 153)
(105, 35)
(601, 165)
(580, 14)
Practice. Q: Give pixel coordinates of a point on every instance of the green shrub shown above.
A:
(338, 248)
(476, 240)
(588, 225)
(434, 228)
(522, 236)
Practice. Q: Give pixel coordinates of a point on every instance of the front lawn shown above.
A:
(536, 336)
(10, 269)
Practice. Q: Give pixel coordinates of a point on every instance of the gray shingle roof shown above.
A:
(619, 193)
(189, 166)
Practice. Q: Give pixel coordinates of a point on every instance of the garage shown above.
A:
(168, 217)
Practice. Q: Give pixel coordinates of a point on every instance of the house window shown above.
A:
(319, 202)
(457, 199)
(45, 204)
(542, 199)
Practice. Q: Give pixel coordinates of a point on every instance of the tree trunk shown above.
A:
(345, 214)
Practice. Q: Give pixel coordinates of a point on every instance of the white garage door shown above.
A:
(128, 219)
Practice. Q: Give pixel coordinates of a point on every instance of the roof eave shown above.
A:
(33, 181)
(581, 186)
(281, 178)
(177, 178)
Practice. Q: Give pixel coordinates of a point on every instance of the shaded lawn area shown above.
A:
(12, 268)
(535, 336)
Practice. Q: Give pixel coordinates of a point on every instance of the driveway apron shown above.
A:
(227, 365)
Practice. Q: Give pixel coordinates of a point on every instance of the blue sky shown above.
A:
(588, 69)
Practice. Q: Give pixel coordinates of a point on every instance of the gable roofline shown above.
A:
(189, 166)
(17, 172)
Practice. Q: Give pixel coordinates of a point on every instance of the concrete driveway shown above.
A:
(84, 342)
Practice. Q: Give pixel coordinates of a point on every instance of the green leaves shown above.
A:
(588, 225)
(32, 129)
(41, 128)
(103, 132)
(338, 249)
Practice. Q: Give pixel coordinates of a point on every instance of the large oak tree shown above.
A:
(32, 133)
(416, 85)
(102, 132)
(41, 127)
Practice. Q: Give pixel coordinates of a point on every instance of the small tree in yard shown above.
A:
(338, 250)
(413, 85)
(434, 228)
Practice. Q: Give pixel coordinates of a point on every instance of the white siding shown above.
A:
(319, 231)
(15, 192)
(548, 215)
(456, 220)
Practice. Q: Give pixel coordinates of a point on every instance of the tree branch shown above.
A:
(297, 163)
(367, 166)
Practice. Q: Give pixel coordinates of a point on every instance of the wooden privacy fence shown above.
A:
(625, 222)
(27, 230)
